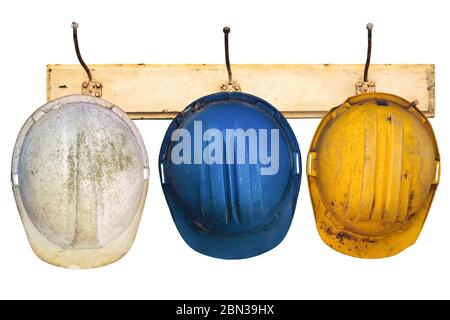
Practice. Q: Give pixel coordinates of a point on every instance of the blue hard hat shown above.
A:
(230, 169)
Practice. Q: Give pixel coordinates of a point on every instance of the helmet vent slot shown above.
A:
(15, 179)
(437, 173)
(163, 173)
(382, 103)
(296, 163)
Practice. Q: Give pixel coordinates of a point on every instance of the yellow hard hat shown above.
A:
(373, 169)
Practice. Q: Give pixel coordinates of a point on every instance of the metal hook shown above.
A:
(366, 86)
(230, 86)
(226, 32)
(369, 27)
(92, 87)
(77, 50)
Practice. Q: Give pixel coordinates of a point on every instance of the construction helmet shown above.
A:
(79, 176)
(373, 169)
(230, 172)
(225, 207)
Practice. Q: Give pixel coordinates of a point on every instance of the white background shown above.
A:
(160, 265)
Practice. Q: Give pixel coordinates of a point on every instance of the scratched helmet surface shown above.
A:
(80, 176)
(233, 209)
(373, 169)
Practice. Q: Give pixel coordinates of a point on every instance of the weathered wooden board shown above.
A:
(299, 91)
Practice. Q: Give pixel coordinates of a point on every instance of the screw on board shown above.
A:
(366, 86)
(92, 87)
(230, 86)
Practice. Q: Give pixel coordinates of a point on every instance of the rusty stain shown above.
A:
(411, 216)
(342, 235)
(329, 231)
(410, 200)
